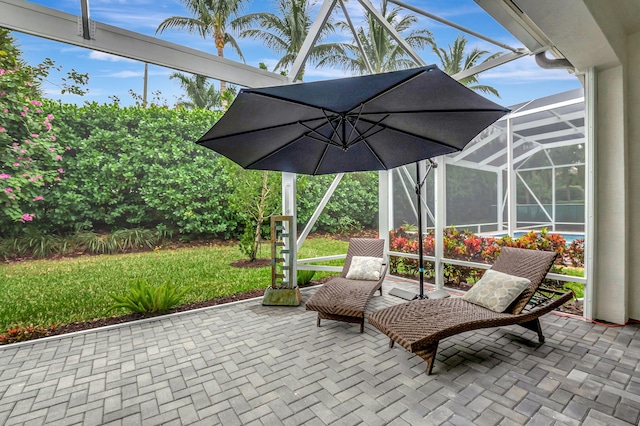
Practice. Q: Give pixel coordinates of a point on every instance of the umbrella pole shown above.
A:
(407, 295)
(419, 184)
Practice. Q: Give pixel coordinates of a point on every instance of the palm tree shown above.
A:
(210, 18)
(200, 92)
(456, 60)
(285, 31)
(382, 50)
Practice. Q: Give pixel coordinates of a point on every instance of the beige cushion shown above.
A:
(364, 268)
(496, 290)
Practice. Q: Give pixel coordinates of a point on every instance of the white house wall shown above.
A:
(633, 136)
(610, 239)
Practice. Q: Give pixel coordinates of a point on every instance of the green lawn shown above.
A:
(45, 292)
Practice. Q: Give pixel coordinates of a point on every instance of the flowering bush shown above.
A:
(30, 153)
(465, 245)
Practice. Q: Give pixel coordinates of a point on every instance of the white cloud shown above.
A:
(125, 74)
(311, 73)
(135, 74)
(101, 56)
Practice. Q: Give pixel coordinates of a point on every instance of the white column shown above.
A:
(590, 206)
(512, 199)
(385, 205)
(289, 208)
(441, 220)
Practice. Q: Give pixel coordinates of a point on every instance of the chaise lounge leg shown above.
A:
(534, 325)
(429, 355)
(391, 342)
(318, 321)
(362, 326)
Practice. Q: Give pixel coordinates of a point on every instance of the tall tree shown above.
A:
(210, 18)
(200, 93)
(382, 50)
(456, 59)
(285, 31)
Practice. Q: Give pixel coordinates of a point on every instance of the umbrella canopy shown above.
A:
(372, 122)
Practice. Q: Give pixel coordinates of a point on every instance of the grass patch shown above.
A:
(45, 292)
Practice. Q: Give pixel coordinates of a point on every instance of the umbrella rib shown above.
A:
(353, 126)
(320, 137)
(412, 134)
(400, 83)
(362, 136)
(375, 154)
(334, 128)
(324, 152)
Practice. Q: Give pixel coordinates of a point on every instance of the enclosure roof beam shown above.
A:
(454, 25)
(33, 19)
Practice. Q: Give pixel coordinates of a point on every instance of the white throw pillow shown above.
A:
(364, 268)
(496, 290)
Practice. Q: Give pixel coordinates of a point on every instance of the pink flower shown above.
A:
(16, 164)
(27, 217)
(23, 151)
(5, 176)
(23, 114)
(58, 157)
(38, 198)
(28, 83)
(60, 171)
(19, 158)
(27, 141)
(50, 116)
(5, 110)
(39, 111)
(39, 177)
(8, 190)
(2, 129)
(35, 135)
(36, 103)
(58, 179)
(25, 175)
(32, 179)
(2, 71)
(68, 148)
(52, 149)
(25, 108)
(53, 137)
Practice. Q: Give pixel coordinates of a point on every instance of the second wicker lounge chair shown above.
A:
(419, 325)
(343, 298)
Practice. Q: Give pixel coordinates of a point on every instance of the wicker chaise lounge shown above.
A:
(344, 299)
(419, 325)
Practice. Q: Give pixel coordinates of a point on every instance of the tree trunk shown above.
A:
(261, 207)
(223, 84)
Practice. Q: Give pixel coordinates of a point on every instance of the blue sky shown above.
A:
(518, 81)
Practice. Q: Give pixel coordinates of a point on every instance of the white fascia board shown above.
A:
(33, 19)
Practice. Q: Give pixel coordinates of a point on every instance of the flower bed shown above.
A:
(467, 246)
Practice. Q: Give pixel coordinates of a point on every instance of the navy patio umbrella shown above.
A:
(364, 123)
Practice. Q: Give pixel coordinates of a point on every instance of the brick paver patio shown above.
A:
(250, 364)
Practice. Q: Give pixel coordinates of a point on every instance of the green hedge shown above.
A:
(133, 167)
